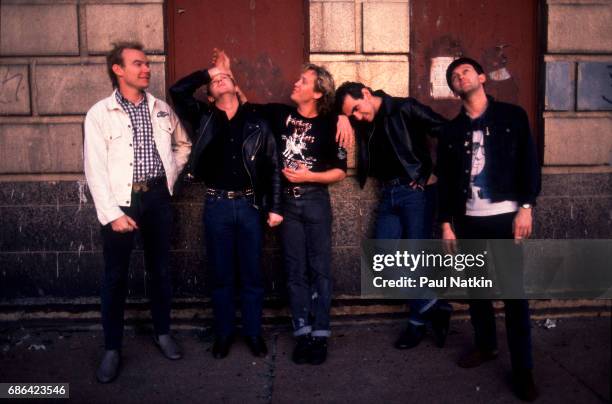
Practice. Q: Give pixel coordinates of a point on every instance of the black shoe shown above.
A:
(318, 350)
(301, 352)
(524, 386)
(109, 366)
(440, 324)
(221, 347)
(410, 337)
(168, 346)
(476, 358)
(257, 345)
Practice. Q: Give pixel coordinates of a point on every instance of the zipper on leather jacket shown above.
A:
(246, 168)
(190, 176)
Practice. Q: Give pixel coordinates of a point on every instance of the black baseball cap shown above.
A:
(459, 62)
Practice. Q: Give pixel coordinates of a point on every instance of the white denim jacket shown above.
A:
(108, 154)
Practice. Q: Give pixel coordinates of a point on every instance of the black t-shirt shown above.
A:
(307, 141)
(384, 163)
(223, 165)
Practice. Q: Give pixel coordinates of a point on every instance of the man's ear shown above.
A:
(317, 95)
(482, 78)
(118, 70)
(366, 93)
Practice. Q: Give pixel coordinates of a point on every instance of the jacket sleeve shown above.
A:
(181, 145)
(444, 187)
(187, 107)
(530, 176)
(427, 119)
(95, 161)
(362, 131)
(272, 112)
(274, 170)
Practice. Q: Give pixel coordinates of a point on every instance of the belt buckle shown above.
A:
(296, 192)
(231, 194)
(140, 187)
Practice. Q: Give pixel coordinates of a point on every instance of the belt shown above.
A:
(396, 181)
(403, 181)
(145, 186)
(298, 190)
(221, 193)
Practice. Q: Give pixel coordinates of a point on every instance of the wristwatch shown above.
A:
(526, 206)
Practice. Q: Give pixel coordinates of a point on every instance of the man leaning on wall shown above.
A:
(235, 155)
(134, 150)
(392, 135)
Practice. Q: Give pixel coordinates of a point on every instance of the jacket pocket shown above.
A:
(164, 125)
(506, 136)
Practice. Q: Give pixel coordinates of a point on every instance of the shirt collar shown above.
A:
(125, 102)
(113, 100)
(490, 101)
(222, 113)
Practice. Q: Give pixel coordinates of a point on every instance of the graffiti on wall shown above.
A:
(9, 85)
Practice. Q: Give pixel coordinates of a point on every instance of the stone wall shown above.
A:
(577, 196)
(347, 38)
(52, 70)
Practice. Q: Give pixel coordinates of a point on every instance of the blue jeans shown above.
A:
(234, 238)
(306, 244)
(406, 213)
(152, 212)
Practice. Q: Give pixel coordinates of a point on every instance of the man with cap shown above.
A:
(489, 178)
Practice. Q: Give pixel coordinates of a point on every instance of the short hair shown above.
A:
(115, 57)
(459, 62)
(324, 84)
(352, 88)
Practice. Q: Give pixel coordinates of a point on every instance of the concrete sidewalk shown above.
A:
(572, 365)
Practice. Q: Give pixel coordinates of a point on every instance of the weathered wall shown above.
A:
(52, 71)
(577, 120)
(347, 38)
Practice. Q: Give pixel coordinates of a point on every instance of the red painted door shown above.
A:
(264, 38)
(502, 35)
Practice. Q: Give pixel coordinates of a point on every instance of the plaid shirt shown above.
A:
(147, 163)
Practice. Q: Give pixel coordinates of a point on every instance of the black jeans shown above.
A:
(518, 321)
(152, 212)
(234, 240)
(306, 244)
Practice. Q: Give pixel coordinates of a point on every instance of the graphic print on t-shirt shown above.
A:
(477, 180)
(296, 143)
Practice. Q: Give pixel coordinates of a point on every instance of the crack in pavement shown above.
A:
(270, 373)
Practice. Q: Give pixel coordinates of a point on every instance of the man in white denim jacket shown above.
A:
(134, 150)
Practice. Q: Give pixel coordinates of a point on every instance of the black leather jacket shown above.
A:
(259, 153)
(513, 168)
(407, 122)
